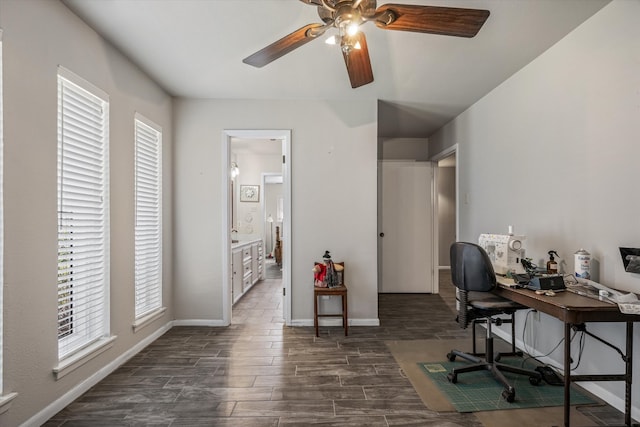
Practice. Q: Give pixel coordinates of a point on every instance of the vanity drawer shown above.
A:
(246, 284)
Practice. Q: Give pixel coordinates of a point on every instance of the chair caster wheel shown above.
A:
(509, 395)
(453, 378)
(534, 380)
(451, 357)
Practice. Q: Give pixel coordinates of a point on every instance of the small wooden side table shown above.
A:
(337, 291)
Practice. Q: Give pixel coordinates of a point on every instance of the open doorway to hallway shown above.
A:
(273, 212)
(258, 222)
(447, 205)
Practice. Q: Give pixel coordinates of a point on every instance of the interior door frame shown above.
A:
(454, 149)
(285, 136)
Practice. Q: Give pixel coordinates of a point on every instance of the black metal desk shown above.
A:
(575, 310)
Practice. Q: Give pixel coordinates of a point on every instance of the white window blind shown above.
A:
(148, 226)
(83, 243)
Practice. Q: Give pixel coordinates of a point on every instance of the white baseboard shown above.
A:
(77, 391)
(364, 322)
(199, 322)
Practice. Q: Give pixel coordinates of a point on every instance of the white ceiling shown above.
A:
(194, 48)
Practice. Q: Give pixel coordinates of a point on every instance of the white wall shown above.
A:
(38, 36)
(554, 151)
(333, 197)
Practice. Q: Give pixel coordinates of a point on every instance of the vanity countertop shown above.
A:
(244, 242)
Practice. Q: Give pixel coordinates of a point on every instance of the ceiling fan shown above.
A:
(348, 15)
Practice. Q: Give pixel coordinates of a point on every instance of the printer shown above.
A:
(505, 251)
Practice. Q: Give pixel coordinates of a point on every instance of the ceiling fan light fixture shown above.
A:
(348, 45)
(347, 19)
(331, 40)
(352, 29)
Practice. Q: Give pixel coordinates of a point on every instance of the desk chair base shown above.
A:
(514, 351)
(491, 364)
(496, 368)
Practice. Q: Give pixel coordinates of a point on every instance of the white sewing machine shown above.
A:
(505, 252)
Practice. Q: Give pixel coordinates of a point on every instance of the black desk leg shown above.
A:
(567, 373)
(628, 372)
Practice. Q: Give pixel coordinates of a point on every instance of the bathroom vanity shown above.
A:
(247, 266)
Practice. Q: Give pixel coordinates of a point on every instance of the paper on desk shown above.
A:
(627, 303)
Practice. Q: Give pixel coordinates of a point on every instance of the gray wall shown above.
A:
(333, 198)
(38, 36)
(403, 149)
(554, 152)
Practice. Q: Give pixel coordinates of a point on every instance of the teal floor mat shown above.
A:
(479, 391)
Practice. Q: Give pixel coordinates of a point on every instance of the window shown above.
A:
(148, 220)
(5, 398)
(1, 217)
(83, 214)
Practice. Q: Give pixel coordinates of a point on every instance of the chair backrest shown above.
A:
(471, 268)
(340, 273)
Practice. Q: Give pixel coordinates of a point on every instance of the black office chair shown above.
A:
(472, 273)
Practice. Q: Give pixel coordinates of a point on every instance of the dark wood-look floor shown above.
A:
(258, 372)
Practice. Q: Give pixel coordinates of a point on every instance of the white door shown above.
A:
(406, 227)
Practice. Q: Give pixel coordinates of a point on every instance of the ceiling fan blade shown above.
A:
(447, 21)
(312, 2)
(283, 46)
(358, 63)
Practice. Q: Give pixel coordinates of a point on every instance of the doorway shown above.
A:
(446, 178)
(273, 214)
(272, 208)
(249, 219)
